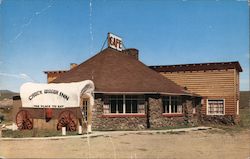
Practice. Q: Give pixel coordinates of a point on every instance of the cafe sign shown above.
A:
(114, 42)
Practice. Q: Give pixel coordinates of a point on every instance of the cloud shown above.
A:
(19, 76)
(1, 1)
(26, 77)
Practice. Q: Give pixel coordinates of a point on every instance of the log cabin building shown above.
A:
(130, 95)
(217, 83)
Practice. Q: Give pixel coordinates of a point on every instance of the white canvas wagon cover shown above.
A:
(61, 95)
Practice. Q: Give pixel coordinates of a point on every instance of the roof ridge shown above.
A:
(198, 66)
(227, 62)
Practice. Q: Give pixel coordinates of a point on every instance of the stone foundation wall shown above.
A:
(191, 119)
(116, 122)
(219, 119)
(156, 118)
(120, 123)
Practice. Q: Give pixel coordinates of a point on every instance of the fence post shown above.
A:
(63, 131)
(0, 131)
(80, 130)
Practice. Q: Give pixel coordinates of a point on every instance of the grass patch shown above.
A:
(243, 125)
(171, 127)
(34, 133)
(176, 132)
(245, 117)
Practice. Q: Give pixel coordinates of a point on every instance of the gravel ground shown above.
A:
(194, 144)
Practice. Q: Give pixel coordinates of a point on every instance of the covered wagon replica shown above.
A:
(53, 106)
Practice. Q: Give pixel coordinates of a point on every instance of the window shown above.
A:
(116, 104)
(215, 107)
(124, 104)
(172, 104)
(131, 103)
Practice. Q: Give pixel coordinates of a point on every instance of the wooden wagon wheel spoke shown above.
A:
(68, 120)
(28, 124)
(72, 126)
(24, 120)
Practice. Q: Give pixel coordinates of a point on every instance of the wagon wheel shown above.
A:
(67, 119)
(24, 120)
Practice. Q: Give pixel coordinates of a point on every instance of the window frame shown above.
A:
(124, 99)
(116, 104)
(220, 99)
(170, 105)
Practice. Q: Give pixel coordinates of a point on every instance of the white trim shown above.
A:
(216, 99)
(123, 106)
(124, 114)
(237, 107)
(170, 105)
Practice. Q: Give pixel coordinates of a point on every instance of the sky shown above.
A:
(41, 35)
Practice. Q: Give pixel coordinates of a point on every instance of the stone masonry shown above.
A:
(105, 122)
(157, 120)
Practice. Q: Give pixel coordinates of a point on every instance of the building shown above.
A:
(121, 79)
(130, 95)
(217, 83)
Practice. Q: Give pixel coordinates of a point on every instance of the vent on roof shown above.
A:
(73, 65)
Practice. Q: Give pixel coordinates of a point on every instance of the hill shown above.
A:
(244, 99)
(7, 94)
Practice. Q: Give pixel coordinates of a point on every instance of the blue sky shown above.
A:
(41, 35)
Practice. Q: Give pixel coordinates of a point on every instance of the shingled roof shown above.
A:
(113, 72)
(198, 67)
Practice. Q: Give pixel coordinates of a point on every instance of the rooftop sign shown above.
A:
(114, 42)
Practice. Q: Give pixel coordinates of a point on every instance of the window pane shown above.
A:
(165, 102)
(179, 109)
(134, 106)
(113, 106)
(215, 107)
(120, 106)
(128, 106)
(174, 108)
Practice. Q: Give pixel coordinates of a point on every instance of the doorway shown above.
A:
(84, 109)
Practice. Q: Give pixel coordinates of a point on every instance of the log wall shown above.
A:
(211, 84)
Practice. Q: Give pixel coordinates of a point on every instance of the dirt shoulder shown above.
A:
(195, 144)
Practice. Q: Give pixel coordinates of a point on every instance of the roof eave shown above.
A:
(163, 93)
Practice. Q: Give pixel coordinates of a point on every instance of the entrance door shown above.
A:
(85, 110)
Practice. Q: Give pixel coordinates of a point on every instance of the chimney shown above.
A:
(132, 52)
(73, 65)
